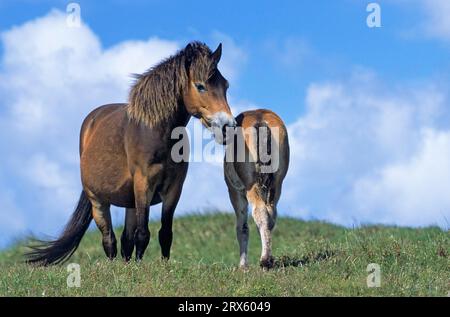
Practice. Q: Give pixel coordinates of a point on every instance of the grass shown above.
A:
(316, 259)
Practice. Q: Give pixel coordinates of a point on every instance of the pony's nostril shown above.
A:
(228, 127)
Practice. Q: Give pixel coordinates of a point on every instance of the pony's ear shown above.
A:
(216, 55)
(188, 58)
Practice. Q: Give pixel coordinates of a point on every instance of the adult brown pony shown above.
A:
(255, 166)
(125, 153)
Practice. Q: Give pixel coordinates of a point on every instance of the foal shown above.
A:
(255, 166)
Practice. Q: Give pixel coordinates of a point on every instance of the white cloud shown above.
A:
(48, 67)
(438, 18)
(365, 152)
(434, 15)
(416, 191)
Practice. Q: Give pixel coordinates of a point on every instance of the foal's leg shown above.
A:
(102, 217)
(127, 239)
(240, 205)
(265, 217)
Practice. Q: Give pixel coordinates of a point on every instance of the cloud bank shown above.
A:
(367, 153)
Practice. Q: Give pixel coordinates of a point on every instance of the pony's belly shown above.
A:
(106, 176)
(121, 197)
(112, 190)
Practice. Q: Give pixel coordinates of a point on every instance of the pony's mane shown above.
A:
(156, 94)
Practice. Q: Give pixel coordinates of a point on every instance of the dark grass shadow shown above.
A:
(288, 261)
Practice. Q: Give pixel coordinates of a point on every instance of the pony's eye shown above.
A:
(200, 87)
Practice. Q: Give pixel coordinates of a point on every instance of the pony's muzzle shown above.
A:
(220, 124)
(222, 120)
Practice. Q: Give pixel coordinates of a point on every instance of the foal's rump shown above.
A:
(266, 152)
(260, 144)
(265, 138)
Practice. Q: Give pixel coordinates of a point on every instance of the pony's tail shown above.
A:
(60, 250)
(263, 147)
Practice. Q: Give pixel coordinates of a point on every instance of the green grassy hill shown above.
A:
(314, 259)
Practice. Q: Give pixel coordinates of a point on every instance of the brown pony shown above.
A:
(125, 153)
(255, 166)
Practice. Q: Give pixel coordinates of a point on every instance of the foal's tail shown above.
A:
(264, 148)
(57, 251)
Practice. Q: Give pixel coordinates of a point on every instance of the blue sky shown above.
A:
(367, 108)
(333, 34)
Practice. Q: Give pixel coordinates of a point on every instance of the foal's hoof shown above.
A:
(267, 263)
(244, 267)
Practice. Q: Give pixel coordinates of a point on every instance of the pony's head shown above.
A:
(205, 94)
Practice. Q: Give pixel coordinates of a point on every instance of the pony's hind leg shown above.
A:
(240, 205)
(127, 239)
(102, 217)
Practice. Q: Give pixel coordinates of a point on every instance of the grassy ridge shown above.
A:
(315, 258)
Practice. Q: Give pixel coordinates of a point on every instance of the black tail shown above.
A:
(57, 251)
(264, 149)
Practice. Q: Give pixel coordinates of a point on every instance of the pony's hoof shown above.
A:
(138, 259)
(126, 259)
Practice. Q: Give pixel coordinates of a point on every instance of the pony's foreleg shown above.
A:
(170, 199)
(240, 205)
(142, 233)
(143, 194)
(165, 234)
(102, 217)
(127, 239)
